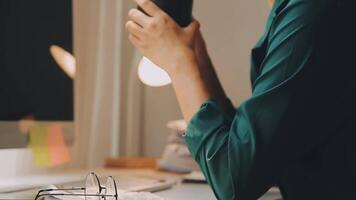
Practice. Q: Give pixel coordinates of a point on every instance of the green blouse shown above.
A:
(298, 129)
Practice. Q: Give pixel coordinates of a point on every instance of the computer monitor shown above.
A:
(33, 88)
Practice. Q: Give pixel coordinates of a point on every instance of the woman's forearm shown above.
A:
(194, 83)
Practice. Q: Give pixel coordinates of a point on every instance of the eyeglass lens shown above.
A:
(111, 189)
(92, 187)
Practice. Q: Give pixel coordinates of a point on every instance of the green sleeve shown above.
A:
(242, 158)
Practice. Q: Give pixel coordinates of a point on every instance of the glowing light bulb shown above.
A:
(152, 75)
(64, 59)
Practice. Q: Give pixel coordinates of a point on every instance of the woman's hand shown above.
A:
(201, 52)
(179, 51)
(159, 37)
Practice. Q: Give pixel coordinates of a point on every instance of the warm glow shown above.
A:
(271, 3)
(64, 59)
(152, 75)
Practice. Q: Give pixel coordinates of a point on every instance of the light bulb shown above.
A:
(152, 75)
(64, 59)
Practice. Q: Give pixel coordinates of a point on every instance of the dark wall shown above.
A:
(31, 83)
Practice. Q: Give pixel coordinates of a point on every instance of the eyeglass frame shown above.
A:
(101, 188)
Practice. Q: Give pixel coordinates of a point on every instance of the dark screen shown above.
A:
(31, 83)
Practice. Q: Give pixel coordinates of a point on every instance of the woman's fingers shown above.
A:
(149, 7)
(135, 40)
(134, 29)
(139, 17)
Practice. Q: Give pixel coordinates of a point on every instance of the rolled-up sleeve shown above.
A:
(243, 157)
(207, 137)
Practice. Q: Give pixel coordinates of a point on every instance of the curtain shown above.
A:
(98, 29)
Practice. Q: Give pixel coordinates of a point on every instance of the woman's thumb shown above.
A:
(193, 26)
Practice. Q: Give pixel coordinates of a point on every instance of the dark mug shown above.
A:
(179, 10)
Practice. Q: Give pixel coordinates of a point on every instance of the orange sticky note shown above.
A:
(39, 145)
(58, 151)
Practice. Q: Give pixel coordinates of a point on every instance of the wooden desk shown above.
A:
(182, 191)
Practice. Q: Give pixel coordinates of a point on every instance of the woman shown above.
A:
(297, 129)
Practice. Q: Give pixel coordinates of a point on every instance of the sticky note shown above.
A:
(58, 151)
(39, 145)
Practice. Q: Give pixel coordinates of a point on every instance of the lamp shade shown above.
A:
(181, 11)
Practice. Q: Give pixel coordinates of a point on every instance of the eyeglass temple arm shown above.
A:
(51, 190)
(78, 195)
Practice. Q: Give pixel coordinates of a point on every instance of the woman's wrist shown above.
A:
(189, 84)
(184, 61)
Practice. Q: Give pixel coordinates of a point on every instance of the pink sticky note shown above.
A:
(58, 151)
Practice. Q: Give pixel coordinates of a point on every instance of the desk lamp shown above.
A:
(181, 11)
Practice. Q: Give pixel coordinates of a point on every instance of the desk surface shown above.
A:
(203, 192)
(179, 192)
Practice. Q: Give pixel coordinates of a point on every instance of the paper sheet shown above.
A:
(139, 196)
(58, 151)
(121, 196)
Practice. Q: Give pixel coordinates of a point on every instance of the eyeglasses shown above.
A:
(92, 190)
